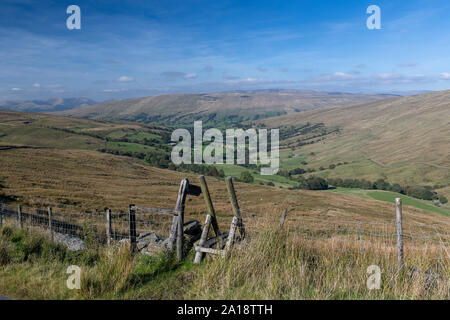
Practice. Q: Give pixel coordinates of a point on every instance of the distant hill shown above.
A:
(218, 108)
(49, 105)
(405, 140)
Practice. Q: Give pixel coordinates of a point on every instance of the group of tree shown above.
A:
(204, 169)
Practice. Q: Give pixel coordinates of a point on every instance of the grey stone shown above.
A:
(71, 242)
(192, 227)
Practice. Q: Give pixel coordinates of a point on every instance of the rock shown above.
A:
(71, 242)
(141, 245)
(148, 236)
(192, 227)
(124, 241)
(150, 243)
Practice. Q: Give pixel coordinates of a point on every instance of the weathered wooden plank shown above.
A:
(235, 205)
(233, 227)
(203, 237)
(209, 250)
(176, 232)
(181, 199)
(212, 241)
(209, 204)
(180, 235)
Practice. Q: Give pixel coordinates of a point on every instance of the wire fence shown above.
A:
(415, 235)
(95, 227)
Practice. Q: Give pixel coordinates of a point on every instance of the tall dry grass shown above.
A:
(280, 264)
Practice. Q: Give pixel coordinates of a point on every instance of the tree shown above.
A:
(246, 177)
(315, 183)
(443, 199)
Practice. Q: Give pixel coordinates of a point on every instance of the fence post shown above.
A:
(108, 227)
(132, 216)
(181, 199)
(209, 204)
(199, 255)
(19, 215)
(50, 219)
(230, 241)
(180, 235)
(235, 205)
(283, 218)
(398, 223)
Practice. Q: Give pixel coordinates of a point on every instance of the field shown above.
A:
(390, 197)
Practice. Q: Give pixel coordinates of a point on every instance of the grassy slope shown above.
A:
(91, 180)
(405, 140)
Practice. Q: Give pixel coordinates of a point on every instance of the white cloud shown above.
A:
(36, 85)
(125, 79)
(16, 89)
(337, 76)
(115, 90)
(190, 76)
(388, 76)
(445, 76)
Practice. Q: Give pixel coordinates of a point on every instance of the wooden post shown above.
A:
(283, 218)
(132, 216)
(108, 227)
(233, 227)
(204, 236)
(50, 219)
(19, 215)
(398, 214)
(209, 204)
(235, 205)
(180, 235)
(181, 199)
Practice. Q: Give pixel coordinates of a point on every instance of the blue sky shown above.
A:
(140, 48)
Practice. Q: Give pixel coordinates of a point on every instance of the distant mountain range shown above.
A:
(48, 105)
(219, 108)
